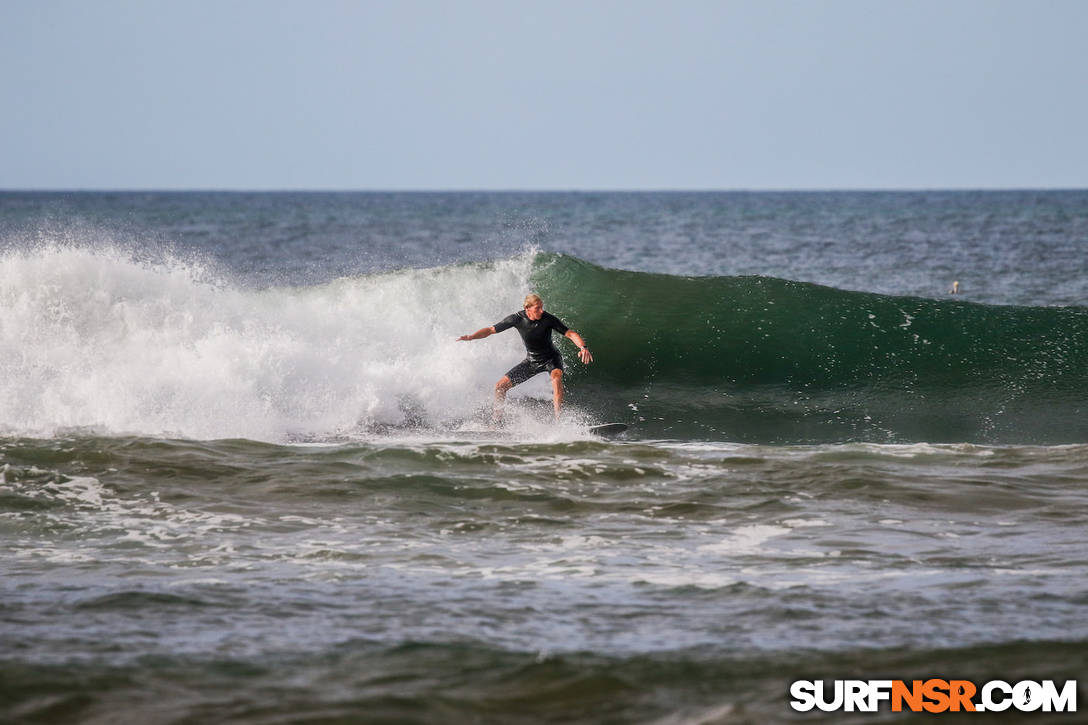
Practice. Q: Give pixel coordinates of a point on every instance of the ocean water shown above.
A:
(246, 476)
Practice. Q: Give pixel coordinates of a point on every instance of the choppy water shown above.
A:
(243, 478)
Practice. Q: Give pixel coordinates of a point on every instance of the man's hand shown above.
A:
(585, 355)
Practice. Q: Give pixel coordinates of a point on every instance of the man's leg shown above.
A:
(557, 391)
(501, 388)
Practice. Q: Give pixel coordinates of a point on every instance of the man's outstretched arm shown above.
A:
(583, 350)
(479, 334)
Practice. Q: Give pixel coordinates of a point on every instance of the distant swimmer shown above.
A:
(955, 288)
(535, 326)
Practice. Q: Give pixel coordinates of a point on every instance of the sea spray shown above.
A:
(98, 339)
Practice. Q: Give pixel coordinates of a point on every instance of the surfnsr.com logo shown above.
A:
(933, 695)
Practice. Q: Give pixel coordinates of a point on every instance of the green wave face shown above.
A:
(764, 359)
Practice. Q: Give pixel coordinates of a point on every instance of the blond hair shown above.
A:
(533, 299)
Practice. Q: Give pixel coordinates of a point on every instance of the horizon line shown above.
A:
(527, 190)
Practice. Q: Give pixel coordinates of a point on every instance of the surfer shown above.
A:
(535, 326)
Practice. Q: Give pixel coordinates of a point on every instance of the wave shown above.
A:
(468, 680)
(760, 359)
(103, 340)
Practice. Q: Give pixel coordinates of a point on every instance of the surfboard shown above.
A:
(608, 429)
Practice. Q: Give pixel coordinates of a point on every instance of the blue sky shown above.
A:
(473, 94)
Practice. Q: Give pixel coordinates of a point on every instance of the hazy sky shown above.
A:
(473, 94)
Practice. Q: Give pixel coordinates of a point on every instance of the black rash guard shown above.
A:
(536, 334)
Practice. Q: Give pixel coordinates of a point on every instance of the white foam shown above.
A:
(804, 523)
(681, 577)
(746, 539)
(96, 339)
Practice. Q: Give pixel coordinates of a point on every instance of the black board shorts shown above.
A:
(527, 368)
